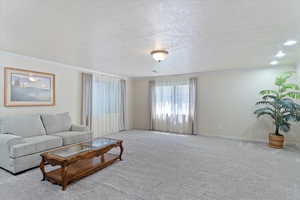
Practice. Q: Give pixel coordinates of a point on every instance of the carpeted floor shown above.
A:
(165, 166)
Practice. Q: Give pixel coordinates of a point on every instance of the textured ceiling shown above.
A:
(117, 36)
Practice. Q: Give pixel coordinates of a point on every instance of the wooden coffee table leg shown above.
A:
(102, 158)
(42, 167)
(64, 177)
(121, 150)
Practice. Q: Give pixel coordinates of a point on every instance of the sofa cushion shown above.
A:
(74, 137)
(22, 125)
(55, 123)
(79, 128)
(35, 145)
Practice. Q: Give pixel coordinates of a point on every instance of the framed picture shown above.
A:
(28, 88)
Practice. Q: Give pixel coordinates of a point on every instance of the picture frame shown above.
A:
(28, 88)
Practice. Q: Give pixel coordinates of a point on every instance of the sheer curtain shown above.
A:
(87, 100)
(173, 105)
(108, 105)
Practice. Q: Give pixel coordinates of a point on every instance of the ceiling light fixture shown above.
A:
(280, 54)
(290, 43)
(274, 62)
(32, 79)
(159, 55)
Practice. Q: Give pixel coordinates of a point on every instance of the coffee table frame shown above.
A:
(78, 165)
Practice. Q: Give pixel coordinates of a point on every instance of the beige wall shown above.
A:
(141, 104)
(68, 87)
(226, 102)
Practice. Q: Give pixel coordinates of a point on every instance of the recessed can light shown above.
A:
(280, 54)
(274, 62)
(290, 43)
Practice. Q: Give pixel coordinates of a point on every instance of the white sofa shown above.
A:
(24, 137)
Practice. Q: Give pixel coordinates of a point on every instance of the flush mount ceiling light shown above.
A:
(32, 79)
(274, 62)
(290, 43)
(159, 55)
(280, 54)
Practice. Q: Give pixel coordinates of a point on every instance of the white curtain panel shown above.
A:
(108, 105)
(173, 105)
(86, 99)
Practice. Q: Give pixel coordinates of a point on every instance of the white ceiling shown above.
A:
(117, 36)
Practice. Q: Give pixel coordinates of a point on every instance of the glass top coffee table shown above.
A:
(79, 160)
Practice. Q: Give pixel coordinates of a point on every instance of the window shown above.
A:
(173, 105)
(172, 100)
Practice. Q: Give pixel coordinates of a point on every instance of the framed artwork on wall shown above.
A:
(28, 88)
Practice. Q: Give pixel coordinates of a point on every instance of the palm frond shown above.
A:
(264, 109)
(265, 92)
(286, 103)
(285, 127)
(280, 80)
(294, 95)
(291, 86)
(265, 103)
(268, 96)
(259, 114)
(290, 117)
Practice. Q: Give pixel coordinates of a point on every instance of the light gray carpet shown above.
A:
(162, 166)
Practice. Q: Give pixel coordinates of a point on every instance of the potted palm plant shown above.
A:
(281, 107)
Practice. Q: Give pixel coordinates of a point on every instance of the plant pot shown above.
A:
(276, 141)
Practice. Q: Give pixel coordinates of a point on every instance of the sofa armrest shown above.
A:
(6, 141)
(9, 140)
(79, 128)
